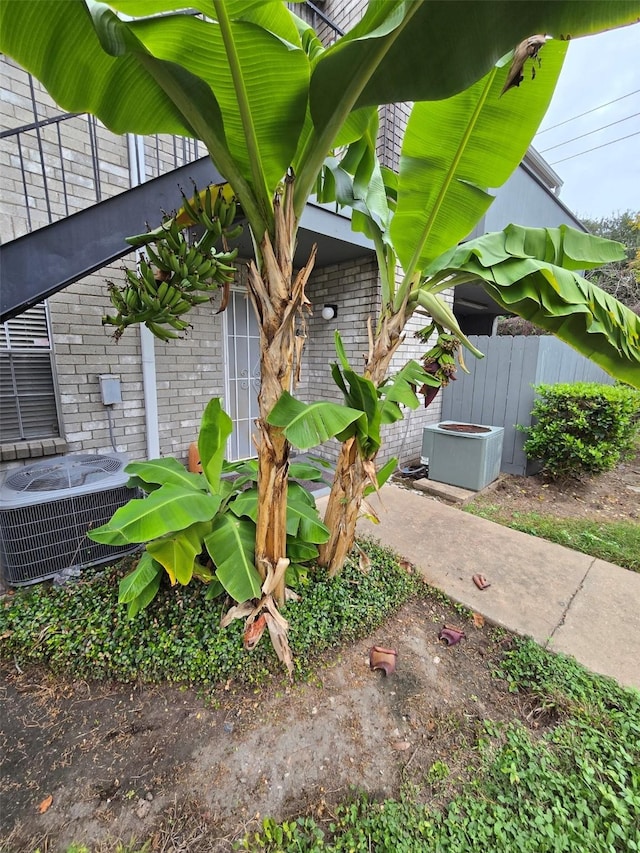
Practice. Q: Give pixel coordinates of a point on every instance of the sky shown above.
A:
(598, 70)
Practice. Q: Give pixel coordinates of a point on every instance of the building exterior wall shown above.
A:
(84, 163)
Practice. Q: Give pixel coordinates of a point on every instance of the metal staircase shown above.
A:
(75, 192)
(42, 262)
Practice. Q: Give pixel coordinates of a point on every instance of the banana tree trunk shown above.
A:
(343, 508)
(278, 299)
(353, 472)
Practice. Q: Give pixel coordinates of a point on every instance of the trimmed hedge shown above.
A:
(582, 427)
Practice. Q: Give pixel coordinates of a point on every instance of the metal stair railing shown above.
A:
(63, 164)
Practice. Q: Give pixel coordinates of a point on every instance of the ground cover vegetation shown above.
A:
(575, 787)
(80, 628)
(196, 75)
(534, 751)
(614, 541)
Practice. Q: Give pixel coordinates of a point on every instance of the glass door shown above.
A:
(243, 374)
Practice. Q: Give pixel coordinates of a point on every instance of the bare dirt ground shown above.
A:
(612, 496)
(192, 773)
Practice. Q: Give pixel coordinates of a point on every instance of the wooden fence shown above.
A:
(499, 389)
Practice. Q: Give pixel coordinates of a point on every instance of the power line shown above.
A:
(589, 133)
(573, 118)
(604, 145)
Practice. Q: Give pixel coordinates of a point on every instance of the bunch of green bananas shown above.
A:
(175, 274)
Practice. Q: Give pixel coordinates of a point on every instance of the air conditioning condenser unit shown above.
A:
(47, 509)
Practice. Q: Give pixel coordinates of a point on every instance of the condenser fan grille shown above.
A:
(65, 473)
(48, 509)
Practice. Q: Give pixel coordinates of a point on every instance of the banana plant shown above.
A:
(357, 425)
(252, 81)
(452, 150)
(202, 526)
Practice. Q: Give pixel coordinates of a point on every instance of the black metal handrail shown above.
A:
(45, 179)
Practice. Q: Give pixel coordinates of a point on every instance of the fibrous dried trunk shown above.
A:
(278, 299)
(353, 472)
(343, 507)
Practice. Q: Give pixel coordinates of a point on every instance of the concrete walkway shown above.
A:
(568, 602)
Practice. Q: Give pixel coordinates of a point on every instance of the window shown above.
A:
(28, 405)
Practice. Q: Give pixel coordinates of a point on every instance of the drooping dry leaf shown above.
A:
(290, 595)
(274, 576)
(279, 640)
(370, 471)
(238, 611)
(368, 512)
(364, 561)
(253, 631)
(527, 49)
(478, 620)
(45, 805)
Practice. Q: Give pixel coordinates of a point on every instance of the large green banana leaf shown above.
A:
(239, 80)
(165, 510)
(231, 546)
(306, 425)
(361, 394)
(174, 74)
(177, 552)
(140, 586)
(165, 470)
(525, 271)
(215, 428)
(429, 50)
(400, 390)
(456, 149)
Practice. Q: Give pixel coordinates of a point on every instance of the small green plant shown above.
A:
(438, 771)
(582, 428)
(614, 541)
(203, 526)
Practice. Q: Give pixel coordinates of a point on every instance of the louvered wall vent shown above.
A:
(46, 510)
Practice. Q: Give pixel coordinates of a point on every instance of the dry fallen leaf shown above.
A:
(364, 561)
(400, 745)
(478, 620)
(45, 804)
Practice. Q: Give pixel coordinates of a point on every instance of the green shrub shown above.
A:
(582, 428)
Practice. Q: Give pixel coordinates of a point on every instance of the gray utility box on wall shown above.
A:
(465, 455)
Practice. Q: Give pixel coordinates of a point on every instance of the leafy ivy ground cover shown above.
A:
(81, 629)
(576, 788)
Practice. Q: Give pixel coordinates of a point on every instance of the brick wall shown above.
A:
(189, 372)
(354, 289)
(83, 161)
